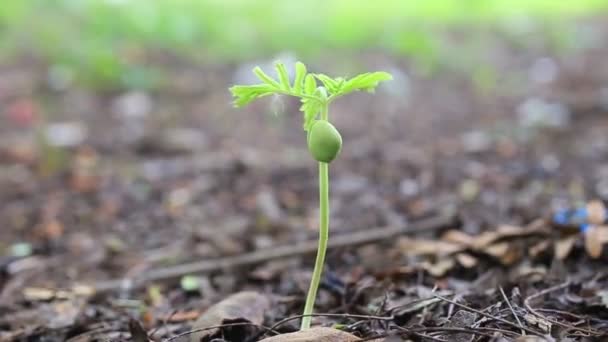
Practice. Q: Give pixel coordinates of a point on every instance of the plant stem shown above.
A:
(323, 237)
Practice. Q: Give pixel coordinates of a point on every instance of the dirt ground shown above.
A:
(126, 214)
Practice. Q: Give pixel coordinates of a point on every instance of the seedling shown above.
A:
(324, 140)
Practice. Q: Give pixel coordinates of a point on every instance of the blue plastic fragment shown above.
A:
(580, 214)
(573, 217)
(561, 217)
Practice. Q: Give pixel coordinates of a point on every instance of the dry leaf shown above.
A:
(466, 260)
(596, 212)
(504, 252)
(38, 294)
(540, 322)
(440, 268)
(535, 339)
(427, 247)
(317, 334)
(505, 231)
(564, 246)
(595, 238)
(539, 248)
(246, 306)
(459, 237)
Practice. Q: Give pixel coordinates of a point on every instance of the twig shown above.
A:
(279, 252)
(502, 291)
(468, 308)
(538, 314)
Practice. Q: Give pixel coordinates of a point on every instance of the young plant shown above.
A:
(324, 140)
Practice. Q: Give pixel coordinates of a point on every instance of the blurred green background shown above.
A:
(117, 43)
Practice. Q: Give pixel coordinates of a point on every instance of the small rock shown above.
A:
(543, 71)
(66, 134)
(409, 187)
(268, 205)
(535, 112)
(476, 141)
(132, 105)
(469, 189)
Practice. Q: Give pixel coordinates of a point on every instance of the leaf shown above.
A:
(246, 306)
(138, 334)
(190, 283)
(564, 246)
(311, 109)
(283, 76)
(368, 81)
(298, 83)
(310, 84)
(333, 86)
(265, 78)
(596, 212)
(244, 94)
(595, 239)
(316, 334)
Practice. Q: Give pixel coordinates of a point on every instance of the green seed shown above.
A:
(324, 141)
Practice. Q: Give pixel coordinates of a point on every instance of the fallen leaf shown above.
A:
(539, 248)
(246, 306)
(504, 231)
(138, 334)
(506, 253)
(466, 260)
(542, 323)
(317, 334)
(458, 236)
(564, 246)
(595, 239)
(38, 294)
(427, 247)
(596, 212)
(440, 268)
(535, 339)
(183, 316)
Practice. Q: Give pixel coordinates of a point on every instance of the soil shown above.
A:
(159, 204)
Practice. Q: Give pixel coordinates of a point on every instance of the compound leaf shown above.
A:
(298, 82)
(283, 75)
(243, 94)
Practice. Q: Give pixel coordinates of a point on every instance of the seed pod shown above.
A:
(324, 141)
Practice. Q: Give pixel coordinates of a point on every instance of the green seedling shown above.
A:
(324, 140)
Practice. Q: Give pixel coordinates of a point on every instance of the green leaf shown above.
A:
(190, 283)
(298, 82)
(265, 78)
(283, 76)
(330, 84)
(311, 109)
(243, 94)
(310, 84)
(368, 81)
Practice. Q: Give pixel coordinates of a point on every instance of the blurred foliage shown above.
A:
(109, 42)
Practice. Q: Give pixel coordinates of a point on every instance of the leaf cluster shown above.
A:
(314, 97)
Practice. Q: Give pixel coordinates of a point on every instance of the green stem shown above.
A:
(323, 237)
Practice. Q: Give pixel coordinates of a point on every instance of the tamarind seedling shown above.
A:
(324, 140)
